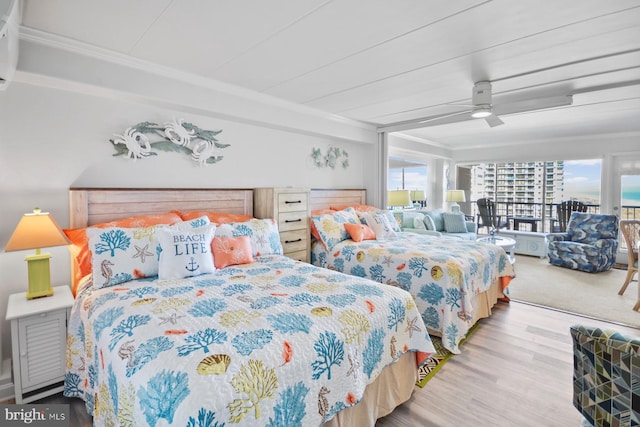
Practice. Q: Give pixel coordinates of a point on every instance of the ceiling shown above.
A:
(392, 63)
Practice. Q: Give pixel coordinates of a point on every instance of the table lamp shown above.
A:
(455, 196)
(398, 198)
(418, 197)
(34, 231)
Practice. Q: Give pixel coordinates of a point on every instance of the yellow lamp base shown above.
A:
(39, 276)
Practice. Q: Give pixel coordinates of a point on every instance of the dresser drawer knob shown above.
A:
(293, 220)
(292, 201)
(293, 241)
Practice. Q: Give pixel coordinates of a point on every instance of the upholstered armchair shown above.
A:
(606, 368)
(589, 244)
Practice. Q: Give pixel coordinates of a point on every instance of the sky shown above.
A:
(582, 181)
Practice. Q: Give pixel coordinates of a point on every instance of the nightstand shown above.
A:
(289, 207)
(38, 341)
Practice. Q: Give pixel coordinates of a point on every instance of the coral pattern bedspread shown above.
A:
(271, 343)
(442, 274)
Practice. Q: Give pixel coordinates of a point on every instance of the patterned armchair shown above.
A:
(589, 244)
(606, 374)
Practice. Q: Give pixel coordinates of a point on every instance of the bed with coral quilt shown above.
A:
(253, 339)
(443, 275)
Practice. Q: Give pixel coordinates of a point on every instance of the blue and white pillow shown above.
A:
(263, 233)
(186, 251)
(119, 255)
(330, 226)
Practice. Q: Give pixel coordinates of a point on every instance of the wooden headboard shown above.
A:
(322, 199)
(88, 206)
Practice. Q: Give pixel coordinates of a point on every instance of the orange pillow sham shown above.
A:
(215, 217)
(358, 208)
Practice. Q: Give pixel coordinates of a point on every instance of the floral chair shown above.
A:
(606, 374)
(589, 244)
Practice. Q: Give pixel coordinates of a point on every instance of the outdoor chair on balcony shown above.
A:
(564, 210)
(631, 232)
(487, 215)
(589, 244)
(606, 367)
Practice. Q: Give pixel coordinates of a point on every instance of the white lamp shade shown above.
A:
(399, 198)
(456, 196)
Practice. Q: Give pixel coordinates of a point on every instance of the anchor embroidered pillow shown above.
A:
(185, 252)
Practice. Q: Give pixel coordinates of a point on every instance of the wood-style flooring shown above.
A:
(515, 370)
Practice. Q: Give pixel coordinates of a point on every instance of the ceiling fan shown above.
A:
(482, 107)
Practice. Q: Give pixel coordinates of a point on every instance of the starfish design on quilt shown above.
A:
(411, 326)
(173, 319)
(261, 241)
(355, 365)
(142, 253)
(387, 260)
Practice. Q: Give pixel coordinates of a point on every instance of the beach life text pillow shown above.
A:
(185, 251)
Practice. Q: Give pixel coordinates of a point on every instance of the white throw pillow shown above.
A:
(380, 224)
(418, 222)
(185, 251)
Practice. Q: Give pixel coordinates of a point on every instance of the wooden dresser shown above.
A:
(289, 207)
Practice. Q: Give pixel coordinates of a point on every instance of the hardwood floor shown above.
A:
(515, 370)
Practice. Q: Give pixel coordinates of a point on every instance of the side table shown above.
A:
(38, 341)
(506, 243)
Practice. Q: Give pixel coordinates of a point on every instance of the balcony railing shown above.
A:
(544, 213)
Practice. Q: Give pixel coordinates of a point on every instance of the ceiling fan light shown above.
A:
(481, 111)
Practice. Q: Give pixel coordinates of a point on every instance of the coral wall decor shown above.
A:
(177, 135)
(333, 157)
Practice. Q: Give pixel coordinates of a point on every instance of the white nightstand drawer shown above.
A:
(293, 241)
(299, 255)
(293, 221)
(293, 202)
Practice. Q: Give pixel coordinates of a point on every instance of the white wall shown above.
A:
(54, 134)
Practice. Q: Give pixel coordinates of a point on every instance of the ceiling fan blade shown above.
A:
(444, 116)
(493, 120)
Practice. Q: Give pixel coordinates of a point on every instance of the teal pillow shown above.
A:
(436, 216)
(454, 222)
